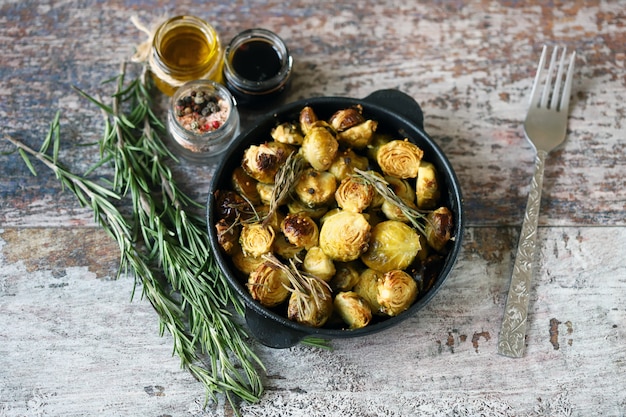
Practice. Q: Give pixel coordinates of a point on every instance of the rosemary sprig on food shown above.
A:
(285, 179)
(163, 243)
(416, 217)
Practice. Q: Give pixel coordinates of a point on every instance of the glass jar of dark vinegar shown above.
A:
(257, 66)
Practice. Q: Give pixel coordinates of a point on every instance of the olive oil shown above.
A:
(185, 48)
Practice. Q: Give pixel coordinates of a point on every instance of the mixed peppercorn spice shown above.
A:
(201, 112)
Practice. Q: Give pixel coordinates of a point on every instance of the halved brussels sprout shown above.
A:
(307, 119)
(256, 239)
(285, 249)
(315, 188)
(346, 118)
(312, 308)
(354, 195)
(296, 206)
(427, 187)
(393, 212)
(344, 236)
(320, 146)
(287, 133)
(367, 288)
(245, 185)
(353, 309)
(227, 236)
(265, 192)
(397, 290)
(345, 162)
(318, 264)
(300, 230)
(439, 226)
(358, 137)
(399, 158)
(393, 245)
(231, 207)
(262, 162)
(268, 284)
(244, 263)
(401, 188)
(346, 276)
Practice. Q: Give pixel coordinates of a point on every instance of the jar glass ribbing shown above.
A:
(185, 48)
(193, 135)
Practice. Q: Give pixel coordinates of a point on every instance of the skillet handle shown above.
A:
(398, 102)
(270, 332)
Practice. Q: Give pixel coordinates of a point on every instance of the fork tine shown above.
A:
(567, 89)
(534, 92)
(555, 101)
(546, 89)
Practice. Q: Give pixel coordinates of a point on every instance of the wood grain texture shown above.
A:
(73, 343)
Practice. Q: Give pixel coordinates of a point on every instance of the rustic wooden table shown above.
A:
(73, 343)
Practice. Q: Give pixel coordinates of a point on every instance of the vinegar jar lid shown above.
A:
(257, 66)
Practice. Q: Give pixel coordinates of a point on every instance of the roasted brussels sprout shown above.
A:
(307, 119)
(319, 147)
(313, 307)
(353, 309)
(439, 225)
(297, 206)
(393, 212)
(397, 290)
(345, 162)
(231, 207)
(227, 236)
(243, 263)
(367, 288)
(401, 188)
(358, 137)
(318, 264)
(315, 188)
(262, 162)
(346, 118)
(393, 245)
(287, 133)
(300, 230)
(265, 192)
(345, 236)
(268, 284)
(245, 185)
(427, 188)
(346, 276)
(399, 158)
(285, 249)
(354, 194)
(256, 239)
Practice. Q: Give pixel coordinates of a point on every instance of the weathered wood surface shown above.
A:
(72, 343)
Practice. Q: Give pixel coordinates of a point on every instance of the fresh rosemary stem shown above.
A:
(163, 243)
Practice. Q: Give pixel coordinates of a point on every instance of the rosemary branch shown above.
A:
(164, 243)
(416, 217)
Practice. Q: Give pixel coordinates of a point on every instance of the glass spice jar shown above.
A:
(202, 120)
(185, 48)
(257, 66)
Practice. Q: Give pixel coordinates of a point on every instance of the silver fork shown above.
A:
(545, 127)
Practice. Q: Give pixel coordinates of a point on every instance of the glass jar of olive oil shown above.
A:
(185, 48)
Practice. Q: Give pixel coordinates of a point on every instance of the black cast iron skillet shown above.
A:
(396, 113)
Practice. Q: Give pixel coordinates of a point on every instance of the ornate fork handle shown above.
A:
(513, 332)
